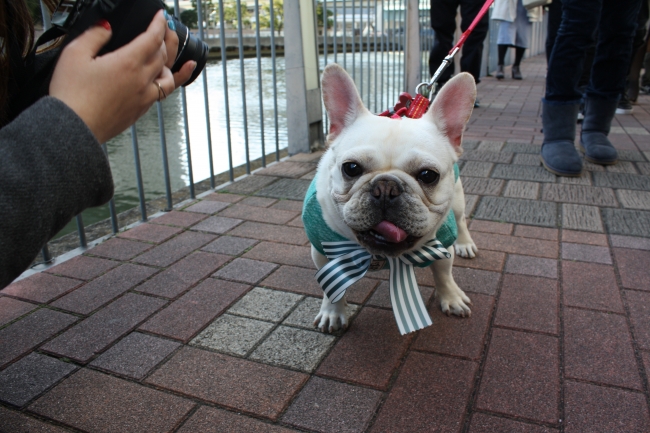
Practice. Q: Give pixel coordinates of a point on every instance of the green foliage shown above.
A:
(319, 17)
(278, 14)
(190, 18)
(230, 14)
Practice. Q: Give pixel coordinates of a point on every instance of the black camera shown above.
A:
(128, 19)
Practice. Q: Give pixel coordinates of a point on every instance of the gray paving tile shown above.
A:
(632, 242)
(647, 155)
(522, 172)
(586, 253)
(522, 148)
(634, 199)
(622, 167)
(627, 222)
(644, 168)
(481, 186)
(265, 304)
(207, 207)
(216, 224)
(232, 334)
(579, 194)
(521, 189)
(470, 144)
(249, 184)
(294, 348)
(293, 189)
(246, 270)
(476, 168)
(518, 211)
(305, 313)
(30, 376)
(487, 156)
(630, 155)
(135, 355)
(527, 159)
(588, 166)
(636, 131)
(492, 146)
(579, 217)
(470, 204)
(230, 245)
(583, 179)
(535, 266)
(622, 180)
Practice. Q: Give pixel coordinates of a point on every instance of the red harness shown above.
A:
(408, 106)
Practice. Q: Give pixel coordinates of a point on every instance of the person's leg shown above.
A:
(523, 27)
(519, 55)
(473, 47)
(554, 19)
(443, 22)
(613, 53)
(503, 49)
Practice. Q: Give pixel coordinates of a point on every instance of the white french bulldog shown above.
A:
(389, 184)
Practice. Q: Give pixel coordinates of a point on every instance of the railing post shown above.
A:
(304, 112)
(412, 46)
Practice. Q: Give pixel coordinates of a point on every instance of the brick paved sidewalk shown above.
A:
(200, 319)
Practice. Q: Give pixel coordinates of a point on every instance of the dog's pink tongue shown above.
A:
(390, 231)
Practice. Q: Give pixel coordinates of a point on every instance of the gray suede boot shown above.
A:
(559, 155)
(595, 128)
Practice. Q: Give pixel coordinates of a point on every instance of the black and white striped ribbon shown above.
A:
(349, 262)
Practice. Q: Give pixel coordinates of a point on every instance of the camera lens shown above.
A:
(189, 48)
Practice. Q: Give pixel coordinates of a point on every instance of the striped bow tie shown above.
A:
(349, 262)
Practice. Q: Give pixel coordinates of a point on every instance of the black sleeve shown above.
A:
(51, 169)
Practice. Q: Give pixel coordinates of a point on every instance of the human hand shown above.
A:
(110, 92)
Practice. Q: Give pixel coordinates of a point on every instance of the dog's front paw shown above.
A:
(454, 301)
(330, 315)
(466, 250)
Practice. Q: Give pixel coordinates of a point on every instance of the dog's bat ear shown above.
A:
(341, 98)
(453, 107)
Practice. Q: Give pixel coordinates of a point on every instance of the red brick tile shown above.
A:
(361, 290)
(231, 382)
(430, 395)
(245, 270)
(228, 198)
(476, 280)
(528, 303)
(150, 233)
(179, 219)
(490, 227)
(521, 376)
(271, 232)
(104, 289)
(18, 422)
(175, 249)
(193, 311)
(591, 408)
(369, 352)
(598, 348)
(207, 207)
(459, 336)
(259, 201)
(482, 423)
(259, 214)
(586, 253)
(584, 238)
(292, 279)
(485, 259)
(22, 336)
(287, 169)
(327, 406)
(212, 420)
(639, 305)
(296, 222)
(83, 268)
(93, 401)
(293, 205)
(534, 266)
(381, 296)
(590, 285)
(119, 249)
(633, 267)
(282, 254)
(516, 245)
(536, 232)
(11, 309)
(95, 333)
(41, 287)
(646, 362)
(184, 274)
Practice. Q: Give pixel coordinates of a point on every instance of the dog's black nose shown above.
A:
(385, 190)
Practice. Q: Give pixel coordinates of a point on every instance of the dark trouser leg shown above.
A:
(473, 47)
(443, 22)
(554, 19)
(519, 55)
(503, 49)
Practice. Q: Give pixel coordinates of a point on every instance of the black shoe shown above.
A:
(624, 105)
(477, 104)
(516, 73)
(499, 75)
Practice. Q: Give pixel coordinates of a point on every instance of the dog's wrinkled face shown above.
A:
(389, 183)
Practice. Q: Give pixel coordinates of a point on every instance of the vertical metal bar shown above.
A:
(188, 150)
(383, 52)
(138, 173)
(111, 202)
(206, 101)
(81, 231)
(345, 35)
(361, 47)
(259, 77)
(354, 42)
(325, 19)
(368, 51)
(394, 50)
(47, 257)
(242, 77)
(224, 71)
(163, 148)
(336, 27)
(275, 83)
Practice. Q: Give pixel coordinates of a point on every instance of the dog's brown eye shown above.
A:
(352, 169)
(428, 176)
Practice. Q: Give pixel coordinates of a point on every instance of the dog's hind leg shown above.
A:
(452, 299)
(330, 315)
(464, 245)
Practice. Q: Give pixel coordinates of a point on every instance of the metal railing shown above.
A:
(233, 120)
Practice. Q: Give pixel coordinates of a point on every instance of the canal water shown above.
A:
(373, 76)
